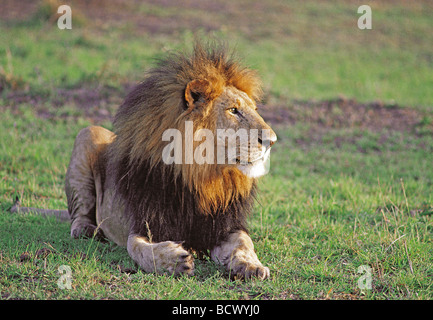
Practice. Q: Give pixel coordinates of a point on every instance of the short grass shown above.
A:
(303, 49)
(325, 209)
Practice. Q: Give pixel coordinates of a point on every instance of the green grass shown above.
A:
(324, 211)
(342, 209)
(302, 49)
(335, 199)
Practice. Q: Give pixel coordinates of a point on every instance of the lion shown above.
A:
(118, 185)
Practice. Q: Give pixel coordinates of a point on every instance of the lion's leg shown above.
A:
(82, 179)
(238, 256)
(167, 256)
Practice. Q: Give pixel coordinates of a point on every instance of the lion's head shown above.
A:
(229, 144)
(243, 139)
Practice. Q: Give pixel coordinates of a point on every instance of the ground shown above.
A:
(351, 176)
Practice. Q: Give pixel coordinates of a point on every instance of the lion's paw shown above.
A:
(170, 257)
(248, 270)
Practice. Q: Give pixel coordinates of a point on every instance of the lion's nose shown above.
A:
(272, 138)
(268, 139)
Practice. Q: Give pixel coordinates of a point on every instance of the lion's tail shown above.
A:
(61, 215)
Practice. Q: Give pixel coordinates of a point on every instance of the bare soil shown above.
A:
(345, 113)
(99, 104)
(253, 18)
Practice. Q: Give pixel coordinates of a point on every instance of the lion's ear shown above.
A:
(197, 92)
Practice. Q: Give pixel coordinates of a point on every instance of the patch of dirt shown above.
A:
(11, 10)
(254, 18)
(344, 113)
(99, 104)
(347, 121)
(320, 117)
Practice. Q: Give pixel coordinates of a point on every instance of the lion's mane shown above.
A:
(197, 204)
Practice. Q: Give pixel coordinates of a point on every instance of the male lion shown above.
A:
(118, 185)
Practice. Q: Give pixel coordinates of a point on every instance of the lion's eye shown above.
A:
(234, 110)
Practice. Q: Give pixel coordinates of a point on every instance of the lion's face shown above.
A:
(241, 137)
(248, 138)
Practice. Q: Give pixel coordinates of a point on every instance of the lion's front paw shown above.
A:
(170, 257)
(162, 257)
(248, 270)
(237, 254)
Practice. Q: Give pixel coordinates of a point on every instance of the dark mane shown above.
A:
(169, 210)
